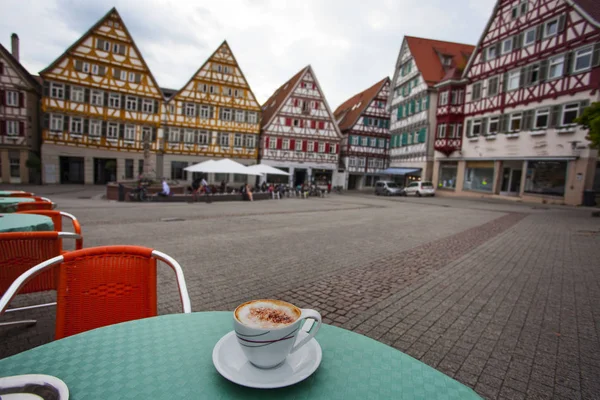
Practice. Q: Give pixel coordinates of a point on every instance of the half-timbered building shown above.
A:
(19, 123)
(101, 109)
(535, 68)
(364, 122)
(299, 134)
(421, 64)
(214, 115)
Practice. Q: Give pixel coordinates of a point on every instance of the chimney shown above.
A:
(15, 46)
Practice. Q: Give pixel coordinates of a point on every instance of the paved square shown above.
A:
(503, 297)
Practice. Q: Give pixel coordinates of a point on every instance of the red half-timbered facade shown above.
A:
(536, 67)
(450, 113)
(299, 133)
(364, 122)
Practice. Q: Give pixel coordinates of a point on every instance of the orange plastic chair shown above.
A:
(35, 205)
(102, 286)
(57, 217)
(19, 252)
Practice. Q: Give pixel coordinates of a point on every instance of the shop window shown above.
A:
(546, 177)
(128, 169)
(447, 179)
(177, 170)
(479, 176)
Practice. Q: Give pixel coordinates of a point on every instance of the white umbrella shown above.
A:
(199, 167)
(224, 166)
(267, 169)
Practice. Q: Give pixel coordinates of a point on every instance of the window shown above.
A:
(129, 132)
(56, 123)
(447, 60)
(226, 114)
(226, 70)
(507, 45)
(273, 143)
(203, 137)
(240, 115)
(202, 87)
(458, 130)
(224, 139)
(227, 91)
(556, 67)
(448, 172)
(361, 162)
(128, 168)
(534, 74)
(103, 44)
(493, 125)
(296, 122)
(12, 98)
(95, 128)
(541, 118)
(211, 89)
(453, 97)
(492, 86)
(113, 130)
(77, 94)
(174, 136)
(373, 142)
(515, 122)
(131, 103)
(321, 147)
(365, 141)
(352, 162)
(252, 118)
(491, 52)
(178, 171)
(476, 130)
(477, 91)
(190, 110)
(12, 128)
(551, 28)
(479, 176)
(57, 90)
(355, 140)
(285, 144)
(441, 131)
(204, 112)
(148, 106)
(76, 125)
(95, 69)
(513, 80)
(583, 59)
(146, 136)
(250, 142)
(443, 98)
(523, 7)
(114, 100)
(188, 136)
(238, 93)
(569, 113)
(140, 167)
(529, 37)
(381, 143)
(546, 177)
(97, 98)
(298, 145)
(14, 160)
(514, 12)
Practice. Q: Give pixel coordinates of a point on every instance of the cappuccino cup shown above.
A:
(267, 330)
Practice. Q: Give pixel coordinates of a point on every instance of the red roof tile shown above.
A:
(269, 108)
(592, 7)
(426, 53)
(346, 116)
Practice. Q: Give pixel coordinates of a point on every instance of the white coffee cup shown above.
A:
(269, 347)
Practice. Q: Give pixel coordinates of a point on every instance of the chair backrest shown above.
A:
(20, 251)
(19, 194)
(103, 286)
(35, 205)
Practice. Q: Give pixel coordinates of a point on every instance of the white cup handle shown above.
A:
(308, 314)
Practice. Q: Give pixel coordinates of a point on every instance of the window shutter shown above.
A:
(21, 99)
(469, 124)
(539, 32)
(46, 121)
(399, 112)
(517, 41)
(316, 147)
(2, 127)
(404, 139)
(422, 135)
(582, 105)
(288, 122)
(67, 92)
(140, 100)
(102, 70)
(528, 120)
(292, 144)
(304, 145)
(279, 142)
(1, 68)
(21, 128)
(154, 134)
(301, 123)
(543, 71)
(100, 44)
(121, 131)
(104, 128)
(427, 102)
(122, 50)
(2, 97)
(498, 49)
(86, 126)
(327, 147)
(106, 99)
(483, 55)
(554, 116)
(522, 77)
(561, 23)
(116, 73)
(46, 89)
(321, 125)
(484, 124)
(86, 95)
(504, 81)
(313, 124)
(568, 67)
(596, 55)
(366, 121)
(266, 142)
(138, 78)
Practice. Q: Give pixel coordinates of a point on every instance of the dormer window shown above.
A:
(447, 60)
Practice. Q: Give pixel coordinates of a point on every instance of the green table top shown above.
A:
(9, 192)
(9, 204)
(170, 357)
(25, 223)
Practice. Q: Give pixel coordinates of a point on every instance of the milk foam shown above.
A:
(245, 316)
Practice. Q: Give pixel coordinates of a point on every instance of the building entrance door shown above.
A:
(71, 170)
(299, 176)
(105, 170)
(511, 181)
(354, 182)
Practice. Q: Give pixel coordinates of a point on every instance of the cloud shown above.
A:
(350, 44)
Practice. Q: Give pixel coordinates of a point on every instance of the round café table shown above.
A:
(25, 223)
(170, 357)
(9, 204)
(10, 192)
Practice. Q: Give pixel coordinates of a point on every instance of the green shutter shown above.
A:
(404, 139)
(427, 102)
(409, 66)
(422, 134)
(399, 112)
(366, 121)
(349, 139)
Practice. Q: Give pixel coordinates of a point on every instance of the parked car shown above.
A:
(420, 189)
(388, 188)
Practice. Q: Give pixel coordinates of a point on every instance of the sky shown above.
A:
(351, 44)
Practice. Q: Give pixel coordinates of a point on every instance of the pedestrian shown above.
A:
(206, 189)
(328, 186)
(166, 190)
(249, 193)
(223, 186)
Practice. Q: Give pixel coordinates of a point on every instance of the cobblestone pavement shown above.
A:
(501, 296)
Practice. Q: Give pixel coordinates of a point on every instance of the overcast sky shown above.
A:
(351, 44)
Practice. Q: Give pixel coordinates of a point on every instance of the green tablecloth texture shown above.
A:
(25, 223)
(9, 192)
(9, 204)
(170, 357)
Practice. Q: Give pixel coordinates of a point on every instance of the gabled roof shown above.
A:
(168, 93)
(427, 52)
(269, 108)
(89, 31)
(19, 67)
(347, 114)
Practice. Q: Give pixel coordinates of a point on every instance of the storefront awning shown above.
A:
(401, 171)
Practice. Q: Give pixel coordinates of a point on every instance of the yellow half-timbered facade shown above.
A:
(215, 115)
(101, 109)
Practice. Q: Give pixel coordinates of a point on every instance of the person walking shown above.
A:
(249, 192)
(206, 190)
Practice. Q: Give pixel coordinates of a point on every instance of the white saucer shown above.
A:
(20, 381)
(231, 362)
